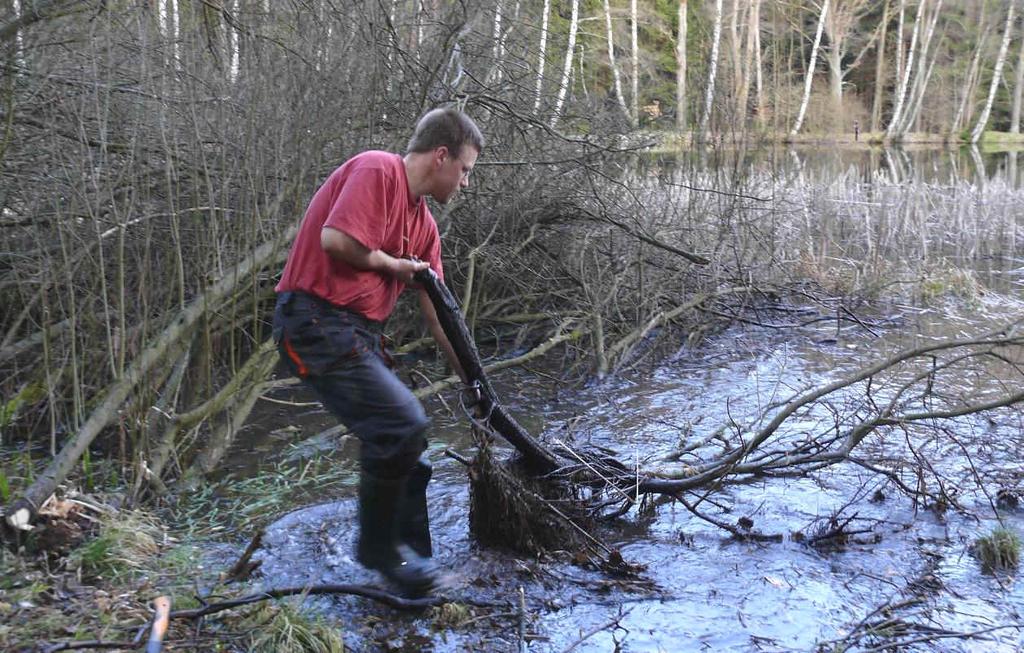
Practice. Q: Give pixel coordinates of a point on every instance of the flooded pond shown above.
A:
(905, 570)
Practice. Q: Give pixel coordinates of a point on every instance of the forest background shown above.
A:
(156, 157)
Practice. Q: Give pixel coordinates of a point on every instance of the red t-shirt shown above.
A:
(368, 199)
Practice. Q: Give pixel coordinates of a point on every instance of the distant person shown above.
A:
(856, 130)
(366, 232)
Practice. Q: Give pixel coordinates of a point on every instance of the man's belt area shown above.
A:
(291, 299)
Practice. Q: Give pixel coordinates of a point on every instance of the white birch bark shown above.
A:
(834, 57)
(810, 70)
(232, 41)
(901, 92)
(636, 63)
(709, 91)
(543, 54)
(499, 53)
(876, 101)
(760, 105)
(899, 40)
(563, 87)
(997, 75)
(748, 58)
(19, 45)
(921, 75)
(969, 84)
(616, 78)
(734, 49)
(681, 68)
(1018, 91)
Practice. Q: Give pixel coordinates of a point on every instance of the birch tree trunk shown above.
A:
(1018, 91)
(834, 58)
(876, 103)
(498, 43)
(563, 87)
(709, 92)
(23, 510)
(616, 78)
(749, 57)
(636, 63)
(969, 85)
(899, 41)
(810, 70)
(735, 57)
(759, 101)
(921, 75)
(543, 53)
(680, 68)
(897, 112)
(997, 75)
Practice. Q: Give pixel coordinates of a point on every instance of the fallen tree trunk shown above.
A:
(749, 455)
(23, 510)
(538, 457)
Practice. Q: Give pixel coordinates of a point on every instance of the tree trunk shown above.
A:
(834, 58)
(617, 79)
(681, 68)
(897, 112)
(997, 75)
(633, 19)
(748, 59)
(709, 92)
(23, 510)
(810, 70)
(899, 41)
(498, 43)
(759, 102)
(1018, 91)
(970, 82)
(543, 54)
(563, 87)
(735, 56)
(921, 75)
(876, 103)
(537, 456)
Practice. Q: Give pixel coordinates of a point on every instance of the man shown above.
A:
(366, 232)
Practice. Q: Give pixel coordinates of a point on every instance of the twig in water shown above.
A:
(243, 567)
(522, 620)
(613, 624)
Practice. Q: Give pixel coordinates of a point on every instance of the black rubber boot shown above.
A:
(379, 547)
(414, 521)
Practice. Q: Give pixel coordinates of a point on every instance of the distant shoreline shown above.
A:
(991, 142)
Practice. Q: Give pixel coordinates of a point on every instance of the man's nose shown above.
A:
(464, 182)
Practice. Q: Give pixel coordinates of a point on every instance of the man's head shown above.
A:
(447, 142)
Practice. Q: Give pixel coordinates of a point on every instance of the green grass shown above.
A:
(999, 550)
(127, 542)
(282, 628)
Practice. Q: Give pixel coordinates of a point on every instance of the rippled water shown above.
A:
(709, 592)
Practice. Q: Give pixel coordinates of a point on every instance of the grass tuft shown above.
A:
(127, 542)
(281, 628)
(451, 615)
(998, 550)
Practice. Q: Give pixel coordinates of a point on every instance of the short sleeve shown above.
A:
(359, 209)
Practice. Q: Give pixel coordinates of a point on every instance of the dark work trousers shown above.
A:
(340, 354)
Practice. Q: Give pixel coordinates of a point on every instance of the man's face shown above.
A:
(452, 172)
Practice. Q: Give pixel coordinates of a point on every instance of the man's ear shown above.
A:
(441, 154)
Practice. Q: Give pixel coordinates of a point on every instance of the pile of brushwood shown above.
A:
(543, 499)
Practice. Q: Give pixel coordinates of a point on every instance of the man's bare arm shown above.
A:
(339, 245)
(430, 318)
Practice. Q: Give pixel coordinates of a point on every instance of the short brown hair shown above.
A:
(449, 127)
